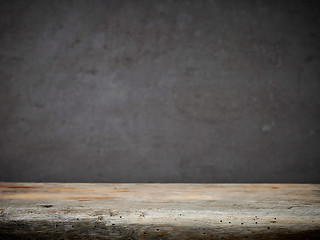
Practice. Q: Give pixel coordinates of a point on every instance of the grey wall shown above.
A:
(160, 91)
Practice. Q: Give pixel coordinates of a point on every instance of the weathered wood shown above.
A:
(159, 211)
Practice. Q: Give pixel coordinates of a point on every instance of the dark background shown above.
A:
(160, 91)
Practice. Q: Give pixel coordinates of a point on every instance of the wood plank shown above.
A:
(159, 211)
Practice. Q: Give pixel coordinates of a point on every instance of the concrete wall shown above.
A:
(160, 91)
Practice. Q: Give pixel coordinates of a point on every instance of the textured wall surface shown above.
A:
(160, 91)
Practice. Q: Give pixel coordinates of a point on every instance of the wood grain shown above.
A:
(159, 211)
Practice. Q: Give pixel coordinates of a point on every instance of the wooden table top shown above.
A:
(159, 211)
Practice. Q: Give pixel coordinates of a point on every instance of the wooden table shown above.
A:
(159, 211)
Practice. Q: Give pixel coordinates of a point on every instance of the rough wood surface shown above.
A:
(159, 211)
